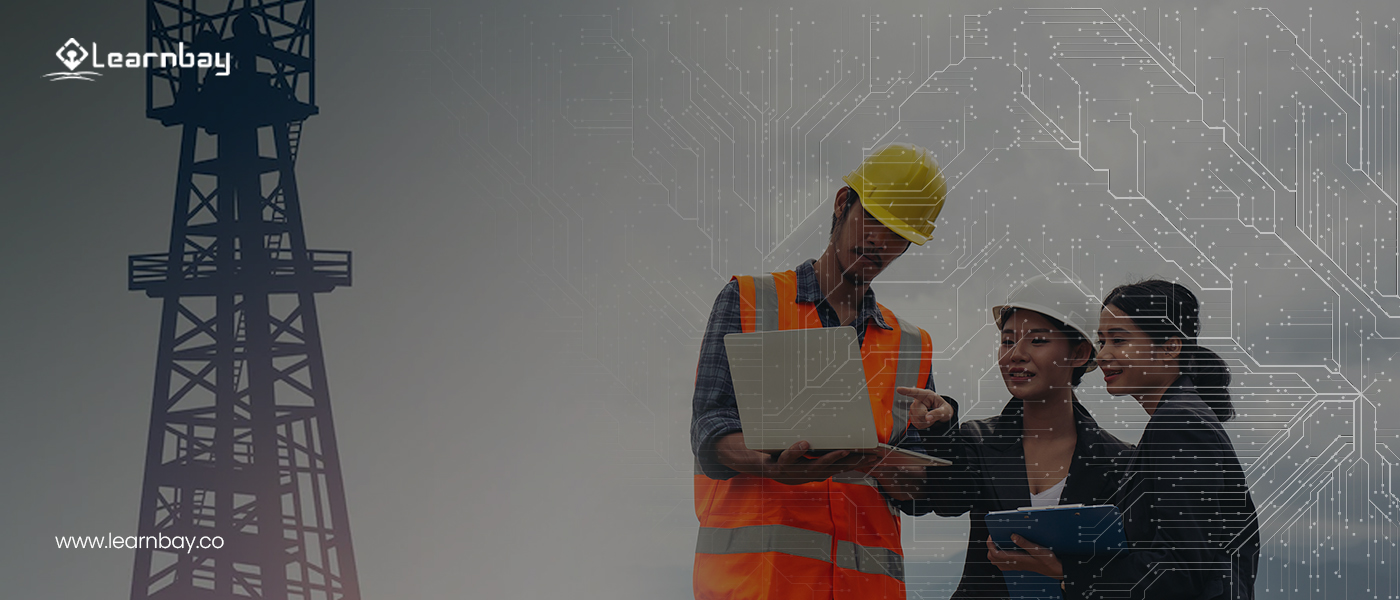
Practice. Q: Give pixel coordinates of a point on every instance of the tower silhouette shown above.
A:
(241, 442)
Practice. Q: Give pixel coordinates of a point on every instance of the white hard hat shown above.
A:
(1064, 300)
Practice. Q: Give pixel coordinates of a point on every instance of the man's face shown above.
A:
(863, 246)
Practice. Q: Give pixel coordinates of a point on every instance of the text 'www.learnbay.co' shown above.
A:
(139, 542)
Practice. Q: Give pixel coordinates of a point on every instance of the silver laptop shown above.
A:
(806, 384)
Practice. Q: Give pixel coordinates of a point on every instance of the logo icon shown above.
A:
(72, 54)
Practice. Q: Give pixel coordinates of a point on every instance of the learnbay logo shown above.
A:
(72, 54)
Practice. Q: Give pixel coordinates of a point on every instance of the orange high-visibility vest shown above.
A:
(832, 539)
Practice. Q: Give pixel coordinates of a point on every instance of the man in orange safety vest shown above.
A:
(793, 526)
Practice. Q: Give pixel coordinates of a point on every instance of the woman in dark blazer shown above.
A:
(1191, 524)
(1044, 447)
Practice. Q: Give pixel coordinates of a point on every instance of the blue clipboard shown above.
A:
(1069, 529)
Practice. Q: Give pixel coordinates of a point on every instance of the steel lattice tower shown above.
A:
(241, 441)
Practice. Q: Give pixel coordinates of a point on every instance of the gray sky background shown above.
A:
(543, 199)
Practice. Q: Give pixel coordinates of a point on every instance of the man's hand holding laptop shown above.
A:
(789, 467)
(792, 466)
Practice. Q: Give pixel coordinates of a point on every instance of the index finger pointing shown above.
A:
(914, 392)
(928, 398)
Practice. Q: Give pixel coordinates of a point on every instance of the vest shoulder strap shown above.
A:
(758, 303)
(915, 359)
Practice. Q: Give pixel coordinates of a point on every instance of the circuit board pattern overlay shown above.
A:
(1253, 156)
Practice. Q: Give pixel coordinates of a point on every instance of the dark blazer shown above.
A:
(989, 474)
(1190, 521)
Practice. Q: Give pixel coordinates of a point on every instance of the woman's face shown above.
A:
(1130, 362)
(1035, 357)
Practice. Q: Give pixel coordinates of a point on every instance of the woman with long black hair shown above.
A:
(1191, 524)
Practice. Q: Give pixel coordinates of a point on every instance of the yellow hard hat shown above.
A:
(902, 187)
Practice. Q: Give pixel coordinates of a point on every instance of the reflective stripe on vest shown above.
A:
(869, 559)
(911, 350)
(765, 302)
(800, 542)
(764, 538)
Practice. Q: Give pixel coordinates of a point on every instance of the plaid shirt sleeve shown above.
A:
(714, 411)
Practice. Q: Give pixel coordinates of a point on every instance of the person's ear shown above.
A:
(843, 197)
(1172, 348)
(1083, 353)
